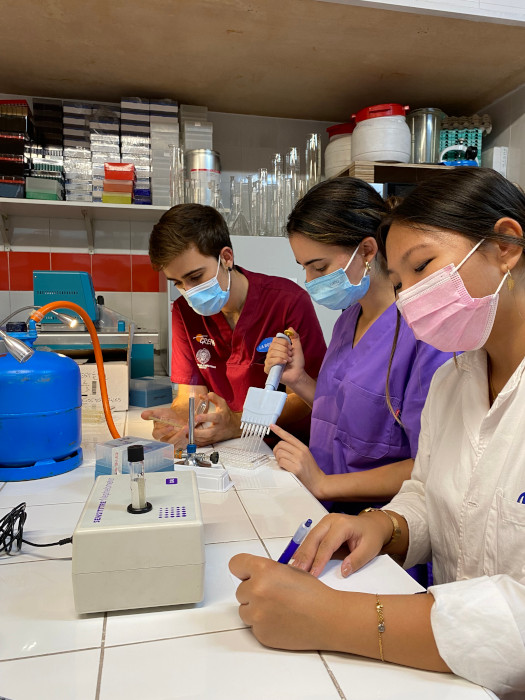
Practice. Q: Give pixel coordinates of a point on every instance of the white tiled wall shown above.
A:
(247, 143)
(508, 119)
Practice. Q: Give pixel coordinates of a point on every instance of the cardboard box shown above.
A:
(117, 379)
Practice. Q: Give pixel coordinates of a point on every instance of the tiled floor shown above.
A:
(201, 651)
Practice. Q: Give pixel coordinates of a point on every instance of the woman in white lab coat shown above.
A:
(454, 249)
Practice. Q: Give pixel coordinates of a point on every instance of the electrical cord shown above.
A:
(12, 530)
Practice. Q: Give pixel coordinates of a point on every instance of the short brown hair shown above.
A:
(185, 225)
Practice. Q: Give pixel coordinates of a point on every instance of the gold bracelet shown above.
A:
(396, 530)
(380, 626)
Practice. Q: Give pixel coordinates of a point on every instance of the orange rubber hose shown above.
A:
(39, 314)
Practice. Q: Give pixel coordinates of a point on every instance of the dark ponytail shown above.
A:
(341, 211)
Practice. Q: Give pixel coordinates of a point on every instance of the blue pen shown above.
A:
(294, 543)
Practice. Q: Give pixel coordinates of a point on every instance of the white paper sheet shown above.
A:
(381, 575)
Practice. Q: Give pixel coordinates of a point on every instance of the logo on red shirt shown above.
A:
(202, 356)
(203, 339)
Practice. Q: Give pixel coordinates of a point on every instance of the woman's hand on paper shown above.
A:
(286, 608)
(364, 537)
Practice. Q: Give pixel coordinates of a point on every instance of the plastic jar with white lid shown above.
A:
(382, 134)
(338, 153)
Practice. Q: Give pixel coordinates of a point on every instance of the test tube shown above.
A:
(191, 420)
(138, 481)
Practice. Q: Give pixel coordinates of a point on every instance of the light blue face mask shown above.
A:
(335, 291)
(208, 298)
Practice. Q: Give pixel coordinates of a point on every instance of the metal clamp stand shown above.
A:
(190, 456)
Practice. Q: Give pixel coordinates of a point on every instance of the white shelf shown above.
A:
(83, 211)
(74, 210)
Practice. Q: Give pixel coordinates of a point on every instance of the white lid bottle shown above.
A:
(338, 153)
(382, 134)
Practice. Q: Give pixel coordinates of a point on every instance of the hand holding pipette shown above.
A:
(289, 354)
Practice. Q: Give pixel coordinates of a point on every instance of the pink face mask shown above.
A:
(441, 312)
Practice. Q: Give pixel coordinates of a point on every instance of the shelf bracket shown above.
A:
(4, 230)
(88, 223)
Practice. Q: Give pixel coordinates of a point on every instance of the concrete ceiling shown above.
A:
(286, 58)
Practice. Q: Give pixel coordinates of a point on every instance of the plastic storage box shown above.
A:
(150, 391)
(112, 456)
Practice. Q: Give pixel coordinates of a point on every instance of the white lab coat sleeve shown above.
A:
(410, 502)
(479, 628)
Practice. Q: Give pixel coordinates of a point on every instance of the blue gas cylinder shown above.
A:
(40, 414)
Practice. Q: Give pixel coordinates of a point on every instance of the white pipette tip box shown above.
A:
(214, 478)
(123, 561)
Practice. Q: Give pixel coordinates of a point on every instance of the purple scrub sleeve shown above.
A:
(352, 427)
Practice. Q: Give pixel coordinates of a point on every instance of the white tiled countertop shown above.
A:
(201, 651)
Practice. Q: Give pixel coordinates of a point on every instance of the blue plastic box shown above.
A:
(150, 391)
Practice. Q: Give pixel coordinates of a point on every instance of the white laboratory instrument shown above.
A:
(124, 560)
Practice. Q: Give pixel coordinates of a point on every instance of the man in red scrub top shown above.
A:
(222, 326)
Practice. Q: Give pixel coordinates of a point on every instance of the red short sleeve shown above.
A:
(184, 368)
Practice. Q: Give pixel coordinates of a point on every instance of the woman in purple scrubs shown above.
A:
(358, 452)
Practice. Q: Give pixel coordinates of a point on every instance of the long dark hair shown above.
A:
(342, 211)
(466, 201)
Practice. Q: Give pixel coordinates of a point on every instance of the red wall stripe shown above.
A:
(111, 272)
(143, 277)
(21, 267)
(4, 270)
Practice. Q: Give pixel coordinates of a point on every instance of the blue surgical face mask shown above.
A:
(335, 291)
(208, 298)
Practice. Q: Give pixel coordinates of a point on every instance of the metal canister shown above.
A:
(203, 170)
(40, 414)
(425, 125)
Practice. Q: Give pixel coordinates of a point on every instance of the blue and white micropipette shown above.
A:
(294, 543)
